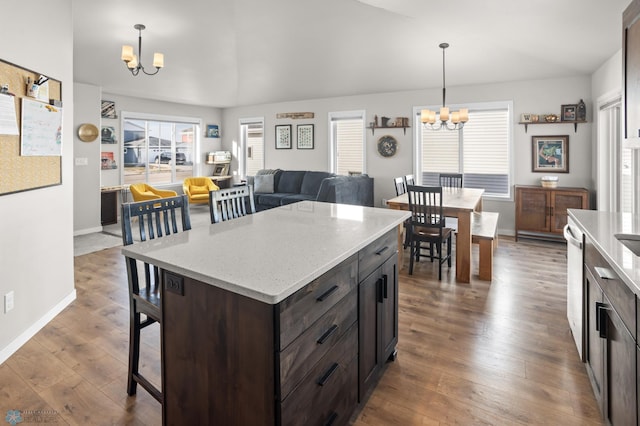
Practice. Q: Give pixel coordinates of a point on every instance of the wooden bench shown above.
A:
(484, 232)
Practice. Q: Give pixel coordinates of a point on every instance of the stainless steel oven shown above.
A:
(575, 284)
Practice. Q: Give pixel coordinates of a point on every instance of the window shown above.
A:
(158, 152)
(252, 146)
(347, 142)
(480, 151)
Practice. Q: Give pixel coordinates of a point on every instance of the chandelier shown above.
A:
(450, 121)
(133, 62)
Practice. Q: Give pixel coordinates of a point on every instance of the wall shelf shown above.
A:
(373, 128)
(574, 122)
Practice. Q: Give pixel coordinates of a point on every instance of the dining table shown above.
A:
(456, 202)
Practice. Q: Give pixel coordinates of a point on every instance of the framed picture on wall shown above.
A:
(550, 154)
(108, 109)
(305, 136)
(213, 131)
(283, 136)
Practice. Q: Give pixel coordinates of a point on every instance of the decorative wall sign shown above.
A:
(295, 115)
(108, 109)
(550, 154)
(387, 146)
(305, 136)
(283, 136)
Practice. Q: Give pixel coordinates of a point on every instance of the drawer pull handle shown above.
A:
(601, 319)
(326, 294)
(327, 334)
(332, 418)
(380, 290)
(325, 377)
(382, 250)
(385, 286)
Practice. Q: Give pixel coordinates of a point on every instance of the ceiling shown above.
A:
(226, 53)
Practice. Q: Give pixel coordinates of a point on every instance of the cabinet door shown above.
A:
(620, 369)
(594, 353)
(532, 210)
(560, 202)
(369, 301)
(389, 314)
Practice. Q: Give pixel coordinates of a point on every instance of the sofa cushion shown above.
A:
(269, 200)
(290, 181)
(311, 182)
(263, 184)
(195, 189)
(294, 198)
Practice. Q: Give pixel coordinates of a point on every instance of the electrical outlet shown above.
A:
(384, 202)
(8, 302)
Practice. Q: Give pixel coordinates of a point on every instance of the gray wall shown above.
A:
(36, 252)
(538, 96)
(86, 177)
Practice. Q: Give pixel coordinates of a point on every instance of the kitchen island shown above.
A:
(281, 317)
(611, 286)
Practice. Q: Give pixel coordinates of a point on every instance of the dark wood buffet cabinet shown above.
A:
(307, 360)
(542, 212)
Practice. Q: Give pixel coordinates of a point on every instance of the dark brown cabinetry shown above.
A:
(542, 212)
(611, 340)
(378, 309)
(108, 207)
(233, 360)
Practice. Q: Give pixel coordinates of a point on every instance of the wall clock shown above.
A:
(387, 146)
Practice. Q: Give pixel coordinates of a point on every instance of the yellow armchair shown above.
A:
(144, 192)
(197, 189)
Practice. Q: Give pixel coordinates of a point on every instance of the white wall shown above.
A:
(36, 252)
(86, 182)
(90, 178)
(539, 96)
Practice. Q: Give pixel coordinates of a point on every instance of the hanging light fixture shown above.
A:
(134, 63)
(450, 121)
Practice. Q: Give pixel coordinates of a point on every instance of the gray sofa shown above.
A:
(273, 188)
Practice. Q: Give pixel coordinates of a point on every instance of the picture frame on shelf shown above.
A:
(569, 112)
(305, 136)
(550, 154)
(525, 117)
(108, 109)
(283, 136)
(108, 135)
(213, 131)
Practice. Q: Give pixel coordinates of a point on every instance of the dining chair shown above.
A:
(155, 219)
(230, 203)
(450, 180)
(399, 184)
(409, 180)
(427, 225)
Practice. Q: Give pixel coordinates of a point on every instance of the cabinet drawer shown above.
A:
(374, 255)
(315, 342)
(296, 313)
(622, 299)
(328, 393)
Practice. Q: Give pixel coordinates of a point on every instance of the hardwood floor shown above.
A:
(480, 353)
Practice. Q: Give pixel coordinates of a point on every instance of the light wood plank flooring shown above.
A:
(497, 353)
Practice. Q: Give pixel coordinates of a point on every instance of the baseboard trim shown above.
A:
(23, 338)
(87, 231)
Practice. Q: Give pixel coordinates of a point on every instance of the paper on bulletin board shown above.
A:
(8, 118)
(41, 129)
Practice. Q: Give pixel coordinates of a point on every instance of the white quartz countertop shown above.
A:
(270, 255)
(600, 228)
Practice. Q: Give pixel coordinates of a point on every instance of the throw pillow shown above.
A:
(263, 184)
(198, 189)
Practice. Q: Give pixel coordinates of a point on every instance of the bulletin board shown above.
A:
(20, 172)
